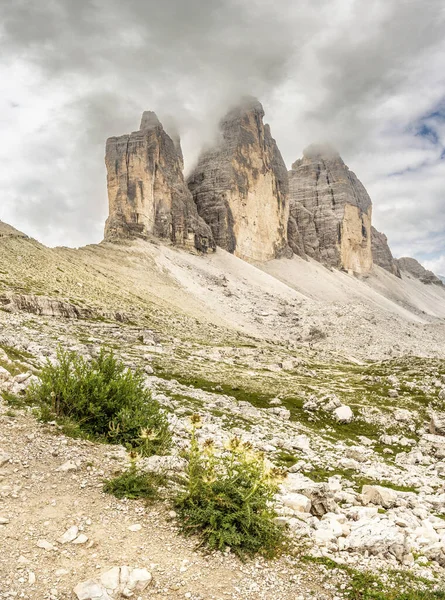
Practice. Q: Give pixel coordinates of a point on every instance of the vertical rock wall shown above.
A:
(147, 193)
(382, 254)
(240, 187)
(330, 212)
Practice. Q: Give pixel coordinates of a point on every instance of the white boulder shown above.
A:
(297, 502)
(378, 537)
(116, 583)
(377, 494)
(344, 414)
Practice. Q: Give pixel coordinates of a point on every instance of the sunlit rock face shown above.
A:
(330, 211)
(147, 193)
(240, 187)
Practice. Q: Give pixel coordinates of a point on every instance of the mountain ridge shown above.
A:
(240, 197)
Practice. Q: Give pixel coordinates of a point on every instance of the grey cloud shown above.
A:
(356, 74)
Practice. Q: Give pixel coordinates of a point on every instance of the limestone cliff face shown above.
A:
(240, 187)
(415, 269)
(147, 193)
(330, 212)
(381, 253)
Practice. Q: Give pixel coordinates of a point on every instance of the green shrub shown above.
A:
(104, 399)
(134, 484)
(228, 499)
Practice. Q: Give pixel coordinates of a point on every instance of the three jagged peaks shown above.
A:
(241, 197)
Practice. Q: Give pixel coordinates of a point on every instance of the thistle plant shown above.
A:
(228, 498)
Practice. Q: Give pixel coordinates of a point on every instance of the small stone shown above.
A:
(31, 578)
(68, 466)
(45, 545)
(135, 527)
(4, 521)
(138, 581)
(69, 535)
(110, 579)
(81, 539)
(21, 377)
(90, 590)
(4, 458)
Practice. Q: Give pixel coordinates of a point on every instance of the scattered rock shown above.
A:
(376, 494)
(114, 583)
(81, 539)
(45, 545)
(297, 502)
(69, 535)
(4, 458)
(437, 423)
(344, 414)
(68, 466)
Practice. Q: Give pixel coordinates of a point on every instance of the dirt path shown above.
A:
(40, 502)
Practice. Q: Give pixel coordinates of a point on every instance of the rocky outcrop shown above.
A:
(330, 211)
(415, 269)
(147, 193)
(381, 253)
(240, 187)
(53, 307)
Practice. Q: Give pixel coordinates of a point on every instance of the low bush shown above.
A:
(133, 484)
(228, 499)
(104, 399)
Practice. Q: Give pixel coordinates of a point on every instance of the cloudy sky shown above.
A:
(367, 76)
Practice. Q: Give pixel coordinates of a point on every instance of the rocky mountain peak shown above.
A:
(416, 270)
(240, 186)
(247, 104)
(149, 120)
(321, 152)
(330, 211)
(146, 189)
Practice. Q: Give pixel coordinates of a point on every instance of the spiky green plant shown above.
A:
(228, 499)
